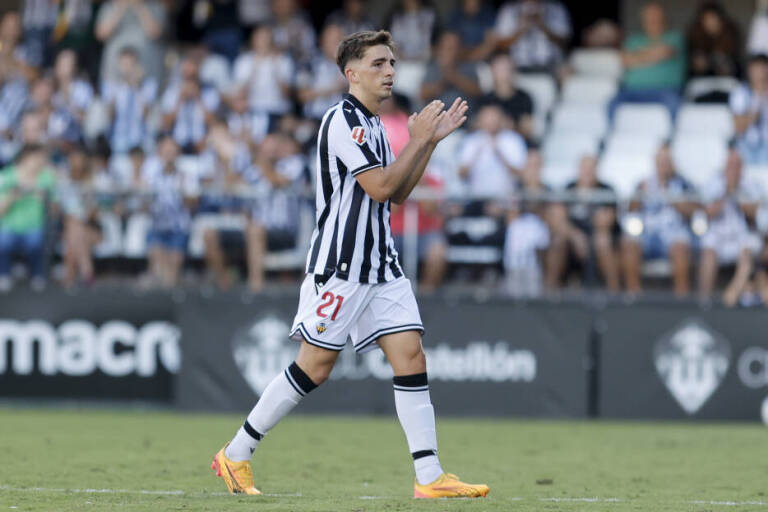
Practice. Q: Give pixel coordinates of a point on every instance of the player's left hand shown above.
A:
(453, 119)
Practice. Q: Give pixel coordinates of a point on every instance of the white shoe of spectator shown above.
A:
(37, 284)
(5, 284)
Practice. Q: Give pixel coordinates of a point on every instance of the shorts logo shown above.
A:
(358, 135)
(320, 327)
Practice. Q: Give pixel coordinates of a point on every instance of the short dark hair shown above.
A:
(129, 51)
(354, 45)
(31, 149)
(758, 58)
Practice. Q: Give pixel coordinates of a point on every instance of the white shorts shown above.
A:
(328, 314)
(729, 243)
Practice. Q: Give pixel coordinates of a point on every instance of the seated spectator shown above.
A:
(413, 25)
(138, 24)
(447, 78)
(473, 22)
(82, 230)
(293, 34)
(72, 94)
(273, 217)
(24, 190)
(654, 61)
(749, 104)
(15, 59)
(535, 32)
(129, 99)
(517, 103)
(223, 164)
(584, 224)
(244, 124)
(665, 207)
(187, 112)
(731, 205)
(603, 33)
(713, 43)
(351, 17)
(74, 31)
(525, 243)
(491, 161)
(172, 196)
(266, 72)
(320, 84)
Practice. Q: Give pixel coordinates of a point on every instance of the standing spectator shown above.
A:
(82, 230)
(38, 19)
(74, 31)
(413, 25)
(473, 21)
(731, 205)
(749, 104)
(15, 61)
(491, 160)
(172, 196)
(535, 32)
(320, 84)
(665, 205)
(244, 124)
(351, 17)
(138, 24)
(654, 61)
(447, 78)
(188, 115)
(713, 43)
(585, 223)
(292, 32)
(24, 191)
(516, 103)
(525, 242)
(266, 72)
(72, 94)
(129, 99)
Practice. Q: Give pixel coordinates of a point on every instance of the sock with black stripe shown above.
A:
(417, 417)
(279, 398)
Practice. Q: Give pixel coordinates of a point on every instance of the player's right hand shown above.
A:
(422, 126)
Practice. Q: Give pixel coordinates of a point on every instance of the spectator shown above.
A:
(413, 25)
(15, 60)
(473, 21)
(603, 33)
(585, 223)
(731, 205)
(292, 32)
(491, 160)
(535, 32)
(713, 43)
(74, 31)
(244, 124)
(320, 84)
(172, 196)
(253, 12)
(218, 21)
(25, 189)
(223, 165)
(516, 103)
(654, 61)
(351, 17)
(273, 220)
(138, 24)
(758, 30)
(72, 94)
(266, 72)
(82, 230)
(749, 104)
(665, 205)
(447, 78)
(38, 19)
(129, 99)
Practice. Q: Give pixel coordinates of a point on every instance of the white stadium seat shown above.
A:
(704, 119)
(644, 118)
(698, 158)
(623, 172)
(569, 147)
(542, 89)
(583, 119)
(596, 90)
(558, 174)
(633, 143)
(600, 62)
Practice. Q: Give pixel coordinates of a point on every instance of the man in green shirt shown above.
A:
(654, 63)
(24, 188)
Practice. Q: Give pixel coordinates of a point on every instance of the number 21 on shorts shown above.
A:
(329, 298)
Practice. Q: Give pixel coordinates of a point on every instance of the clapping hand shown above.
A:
(453, 119)
(425, 124)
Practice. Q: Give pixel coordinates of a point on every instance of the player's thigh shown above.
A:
(391, 309)
(316, 362)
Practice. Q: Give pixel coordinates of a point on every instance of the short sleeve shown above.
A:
(513, 149)
(506, 21)
(350, 141)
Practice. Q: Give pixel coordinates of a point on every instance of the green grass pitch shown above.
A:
(62, 460)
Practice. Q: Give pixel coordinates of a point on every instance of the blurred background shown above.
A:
(598, 226)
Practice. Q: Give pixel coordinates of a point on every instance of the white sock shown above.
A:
(417, 417)
(279, 398)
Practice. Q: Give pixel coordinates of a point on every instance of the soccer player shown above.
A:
(354, 285)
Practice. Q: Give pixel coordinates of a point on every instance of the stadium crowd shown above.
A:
(120, 145)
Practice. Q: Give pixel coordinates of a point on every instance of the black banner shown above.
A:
(681, 361)
(485, 358)
(108, 344)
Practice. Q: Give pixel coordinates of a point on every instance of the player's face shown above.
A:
(375, 72)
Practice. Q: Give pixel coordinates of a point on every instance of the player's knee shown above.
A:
(319, 373)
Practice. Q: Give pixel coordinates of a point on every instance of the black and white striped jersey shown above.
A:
(352, 238)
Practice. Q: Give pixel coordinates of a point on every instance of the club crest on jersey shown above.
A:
(320, 327)
(358, 135)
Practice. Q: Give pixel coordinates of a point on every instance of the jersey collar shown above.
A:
(357, 103)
